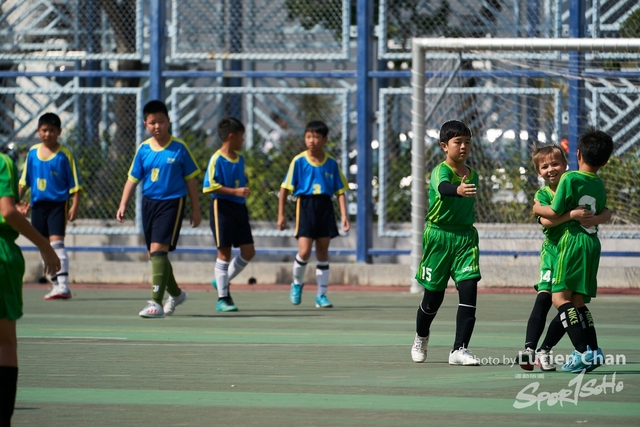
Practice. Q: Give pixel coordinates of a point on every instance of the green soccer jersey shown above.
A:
(450, 210)
(8, 188)
(545, 196)
(579, 188)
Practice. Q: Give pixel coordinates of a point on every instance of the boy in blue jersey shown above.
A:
(579, 249)
(12, 222)
(450, 245)
(227, 183)
(52, 175)
(167, 170)
(314, 177)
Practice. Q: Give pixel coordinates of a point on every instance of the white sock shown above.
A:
(322, 277)
(299, 267)
(237, 265)
(222, 278)
(62, 276)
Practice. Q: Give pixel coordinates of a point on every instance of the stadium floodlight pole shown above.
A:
(419, 48)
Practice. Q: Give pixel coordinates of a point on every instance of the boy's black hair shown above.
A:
(452, 129)
(153, 107)
(548, 151)
(229, 125)
(317, 126)
(51, 119)
(595, 146)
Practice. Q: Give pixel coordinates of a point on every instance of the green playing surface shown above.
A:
(91, 361)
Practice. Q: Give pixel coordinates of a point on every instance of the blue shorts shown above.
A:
(229, 223)
(49, 218)
(315, 217)
(162, 220)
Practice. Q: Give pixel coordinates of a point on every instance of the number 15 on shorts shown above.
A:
(425, 274)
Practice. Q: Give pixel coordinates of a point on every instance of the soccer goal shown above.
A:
(515, 95)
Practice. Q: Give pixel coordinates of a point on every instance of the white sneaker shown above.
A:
(152, 310)
(544, 360)
(419, 349)
(462, 357)
(172, 302)
(58, 292)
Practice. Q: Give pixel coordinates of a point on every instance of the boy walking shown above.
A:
(450, 245)
(551, 164)
(579, 249)
(227, 181)
(12, 223)
(167, 170)
(314, 177)
(51, 173)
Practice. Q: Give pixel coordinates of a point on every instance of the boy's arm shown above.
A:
(282, 221)
(342, 202)
(22, 206)
(19, 222)
(192, 190)
(544, 211)
(588, 219)
(228, 191)
(75, 204)
(127, 192)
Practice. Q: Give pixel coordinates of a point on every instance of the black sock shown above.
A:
(431, 302)
(8, 385)
(537, 320)
(466, 317)
(589, 329)
(555, 332)
(571, 321)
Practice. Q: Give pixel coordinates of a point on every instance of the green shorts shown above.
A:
(11, 274)
(548, 259)
(578, 261)
(448, 253)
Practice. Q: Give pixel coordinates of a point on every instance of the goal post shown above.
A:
(420, 46)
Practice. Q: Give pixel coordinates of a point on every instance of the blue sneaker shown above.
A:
(225, 304)
(214, 284)
(295, 295)
(579, 361)
(598, 360)
(323, 302)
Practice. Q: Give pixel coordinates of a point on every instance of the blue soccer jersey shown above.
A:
(51, 179)
(225, 172)
(307, 178)
(163, 171)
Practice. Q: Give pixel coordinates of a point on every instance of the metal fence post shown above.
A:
(364, 99)
(157, 48)
(576, 85)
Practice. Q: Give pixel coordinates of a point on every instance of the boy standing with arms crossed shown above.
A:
(450, 245)
(551, 164)
(167, 170)
(51, 173)
(12, 222)
(226, 181)
(579, 248)
(314, 177)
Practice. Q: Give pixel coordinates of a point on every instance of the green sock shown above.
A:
(159, 270)
(172, 285)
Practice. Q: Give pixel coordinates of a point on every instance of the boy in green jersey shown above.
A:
(550, 163)
(450, 245)
(579, 248)
(12, 223)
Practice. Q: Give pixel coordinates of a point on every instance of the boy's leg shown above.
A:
(427, 310)
(537, 319)
(305, 245)
(239, 262)
(222, 271)
(160, 268)
(555, 332)
(570, 319)
(8, 370)
(61, 279)
(466, 317)
(322, 271)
